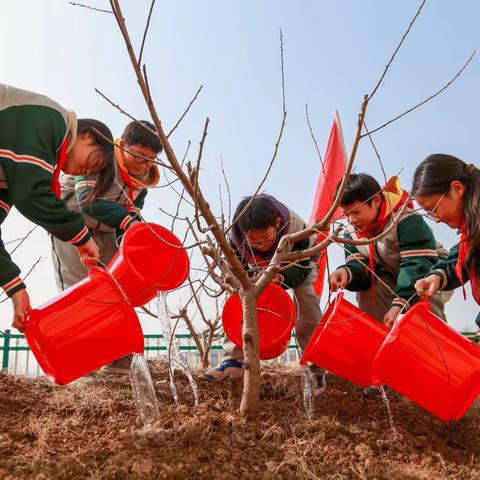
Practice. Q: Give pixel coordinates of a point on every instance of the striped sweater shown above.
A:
(119, 206)
(32, 129)
(112, 211)
(408, 252)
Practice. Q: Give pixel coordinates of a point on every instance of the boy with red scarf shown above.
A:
(399, 259)
(112, 213)
(116, 210)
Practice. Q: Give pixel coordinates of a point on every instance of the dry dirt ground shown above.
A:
(94, 432)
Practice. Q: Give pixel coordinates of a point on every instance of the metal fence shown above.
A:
(17, 358)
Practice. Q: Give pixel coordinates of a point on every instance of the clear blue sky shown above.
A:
(334, 53)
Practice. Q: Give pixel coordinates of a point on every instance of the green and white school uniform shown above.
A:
(36, 134)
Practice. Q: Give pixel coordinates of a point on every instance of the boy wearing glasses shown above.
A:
(114, 212)
(404, 255)
(255, 237)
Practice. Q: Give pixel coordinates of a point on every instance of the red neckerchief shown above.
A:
(462, 256)
(128, 182)
(61, 160)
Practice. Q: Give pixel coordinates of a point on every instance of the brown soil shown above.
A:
(94, 432)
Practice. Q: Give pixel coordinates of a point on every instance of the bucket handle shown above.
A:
(107, 271)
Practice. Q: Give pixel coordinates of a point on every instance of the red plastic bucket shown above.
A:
(276, 317)
(150, 259)
(430, 363)
(83, 328)
(345, 342)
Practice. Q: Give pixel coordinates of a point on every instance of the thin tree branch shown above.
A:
(387, 66)
(23, 239)
(89, 7)
(228, 191)
(438, 92)
(145, 32)
(195, 173)
(277, 144)
(204, 208)
(318, 152)
(40, 259)
(185, 112)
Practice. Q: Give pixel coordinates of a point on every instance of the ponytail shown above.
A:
(104, 138)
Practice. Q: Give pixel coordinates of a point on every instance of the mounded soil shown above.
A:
(94, 431)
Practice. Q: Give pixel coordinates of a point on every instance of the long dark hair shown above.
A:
(435, 175)
(104, 138)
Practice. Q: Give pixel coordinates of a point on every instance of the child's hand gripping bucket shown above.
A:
(276, 318)
(83, 328)
(345, 342)
(430, 363)
(150, 259)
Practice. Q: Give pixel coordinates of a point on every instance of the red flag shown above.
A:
(331, 172)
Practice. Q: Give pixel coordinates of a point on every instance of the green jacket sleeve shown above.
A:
(356, 265)
(105, 211)
(445, 269)
(296, 274)
(29, 139)
(418, 254)
(29, 187)
(9, 272)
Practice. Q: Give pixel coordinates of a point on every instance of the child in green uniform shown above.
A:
(38, 139)
(115, 211)
(255, 238)
(405, 254)
(398, 259)
(448, 189)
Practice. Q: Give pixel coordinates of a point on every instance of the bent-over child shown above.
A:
(398, 259)
(448, 189)
(255, 236)
(38, 139)
(112, 213)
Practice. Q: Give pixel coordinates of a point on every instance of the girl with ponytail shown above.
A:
(448, 189)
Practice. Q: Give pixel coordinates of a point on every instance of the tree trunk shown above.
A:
(250, 404)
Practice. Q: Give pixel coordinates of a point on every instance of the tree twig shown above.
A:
(277, 144)
(185, 112)
(145, 32)
(89, 7)
(438, 92)
(387, 66)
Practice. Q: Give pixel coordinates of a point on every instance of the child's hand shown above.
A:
(338, 280)
(391, 316)
(427, 287)
(278, 278)
(89, 252)
(21, 303)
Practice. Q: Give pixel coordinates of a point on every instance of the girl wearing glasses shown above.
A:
(448, 189)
